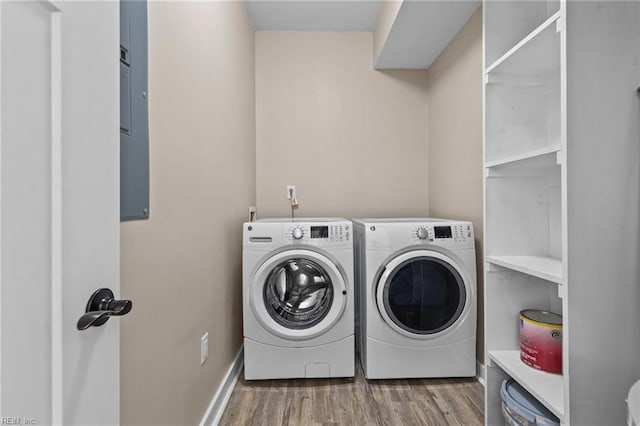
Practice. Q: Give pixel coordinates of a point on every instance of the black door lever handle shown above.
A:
(100, 307)
(91, 318)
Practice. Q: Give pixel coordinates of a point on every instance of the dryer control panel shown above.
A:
(318, 233)
(455, 232)
(400, 233)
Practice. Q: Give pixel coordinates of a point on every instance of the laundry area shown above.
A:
(409, 287)
(305, 212)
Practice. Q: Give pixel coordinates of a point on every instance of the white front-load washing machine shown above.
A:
(298, 298)
(416, 297)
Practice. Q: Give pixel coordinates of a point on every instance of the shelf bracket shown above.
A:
(562, 291)
(492, 267)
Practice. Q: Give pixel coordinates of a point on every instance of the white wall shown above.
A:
(386, 18)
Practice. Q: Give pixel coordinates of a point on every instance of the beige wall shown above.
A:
(182, 268)
(352, 139)
(455, 138)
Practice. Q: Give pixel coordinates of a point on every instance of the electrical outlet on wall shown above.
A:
(204, 348)
(291, 192)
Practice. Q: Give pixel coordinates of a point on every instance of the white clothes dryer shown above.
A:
(298, 298)
(416, 297)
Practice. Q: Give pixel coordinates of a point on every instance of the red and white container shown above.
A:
(541, 340)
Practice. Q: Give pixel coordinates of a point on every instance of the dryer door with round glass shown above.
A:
(422, 293)
(298, 293)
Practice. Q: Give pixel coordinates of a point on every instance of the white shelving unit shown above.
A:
(562, 224)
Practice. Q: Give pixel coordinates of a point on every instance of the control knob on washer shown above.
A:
(423, 233)
(297, 233)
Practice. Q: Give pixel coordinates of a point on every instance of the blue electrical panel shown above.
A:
(134, 111)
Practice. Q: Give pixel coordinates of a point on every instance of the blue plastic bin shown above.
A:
(520, 408)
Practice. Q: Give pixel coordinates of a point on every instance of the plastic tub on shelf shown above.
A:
(520, 408)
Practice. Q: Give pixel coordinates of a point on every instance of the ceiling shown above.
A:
(314, 15)
(420, 31)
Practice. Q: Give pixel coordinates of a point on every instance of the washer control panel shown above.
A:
(451, 232)
(319, 233)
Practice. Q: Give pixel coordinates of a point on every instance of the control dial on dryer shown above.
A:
(422, 233)
(297, 233)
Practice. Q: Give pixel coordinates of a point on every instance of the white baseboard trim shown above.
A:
(220, 400)
(481, 372)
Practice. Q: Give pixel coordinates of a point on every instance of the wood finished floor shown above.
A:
(356, 401)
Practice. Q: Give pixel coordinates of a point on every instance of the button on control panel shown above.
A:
(297, 233)
(424, 233)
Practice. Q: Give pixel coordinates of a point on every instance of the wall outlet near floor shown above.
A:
(204, 348)
(291, 192)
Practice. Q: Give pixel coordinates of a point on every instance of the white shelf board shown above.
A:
(535, 53)
(547, 268)
(536, 158)
(546, 387)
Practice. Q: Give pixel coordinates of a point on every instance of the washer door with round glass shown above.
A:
(422, 293)
(298, 294)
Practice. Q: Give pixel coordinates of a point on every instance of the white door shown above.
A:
(59, 207)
